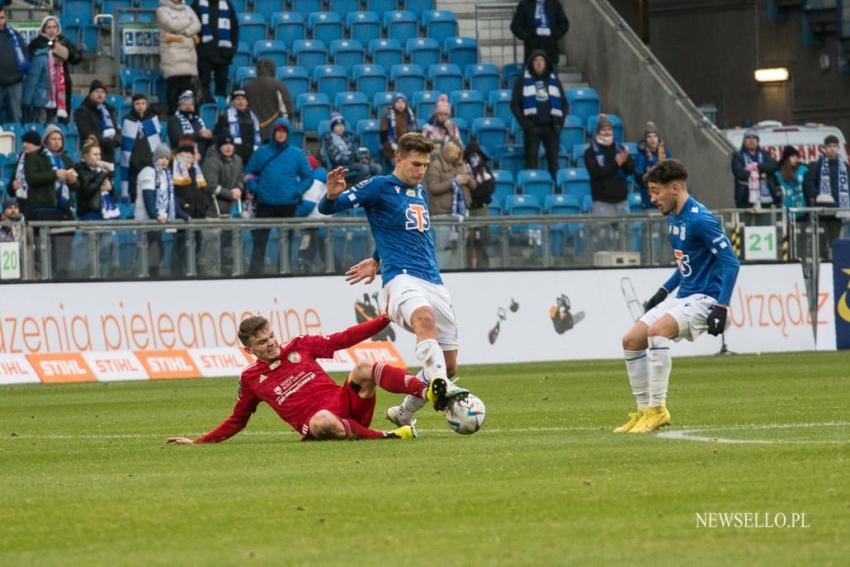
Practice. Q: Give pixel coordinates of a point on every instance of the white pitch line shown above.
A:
(693, 434)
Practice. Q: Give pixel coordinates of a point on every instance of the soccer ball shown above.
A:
(466, 416)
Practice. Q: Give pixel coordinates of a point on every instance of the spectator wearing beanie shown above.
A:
(191, 196)
(241, 124)
(753, 169)
(95, 117)
(341, 150)
(397, 121)
(178, 26)
(790, 176)
(155, 201)
(219, 40)
(827, 184)
(540, 25)
(223, 172)
(440, 126)
(13, 68)
(187, 122)
(268, 97)
(650, 151)
(47, 86)
(141, 134)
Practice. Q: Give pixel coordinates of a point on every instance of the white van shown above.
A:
(773, 136)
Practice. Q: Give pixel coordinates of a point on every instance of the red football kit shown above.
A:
(296, 387)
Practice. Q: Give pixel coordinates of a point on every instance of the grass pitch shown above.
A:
(85, 478)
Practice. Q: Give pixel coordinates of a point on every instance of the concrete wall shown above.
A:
(633, 85)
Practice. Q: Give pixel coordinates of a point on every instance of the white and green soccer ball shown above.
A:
(466, 416)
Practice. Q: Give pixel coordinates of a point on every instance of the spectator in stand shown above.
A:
(539, 105)
(341, 150)
(241, 124)
(609, 164)
(827, 184)
(223, 172)
(396, 122)
(13, 222)
(219, 40)
(450, 184)
(753, 169)
(485, 185)
(97, 118)
(178, 26)
(187, 122)
(141, 134)
(95, 200)
(268, 97)
(47, 86)
(276, 177)
(440, 126)
(651, 150)
(155, 201)
(192, 198)
(13, 67)
(790, 177)
(540, 25)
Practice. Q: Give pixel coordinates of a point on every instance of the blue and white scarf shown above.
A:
(600, 156)
(20, 56)
(63, 192)
(392, 138)
(107, 126)
(130, 131)
(223, 28)
(530, 95)
(186, 120)
(541, 20)
(763, 195)
(164, 192)
(825, 189)
(236, 131)
(22, 192)
(459, 208)
(108, 208)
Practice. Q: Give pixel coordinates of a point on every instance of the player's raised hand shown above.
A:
(179, 441)
(336, 182)
(364, 270)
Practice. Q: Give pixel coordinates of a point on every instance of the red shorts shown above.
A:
(348, 405)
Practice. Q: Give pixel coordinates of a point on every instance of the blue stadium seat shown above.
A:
(468, 105)
(584, 102)
(273, 49)
(244, 74)
(142, 83)
(369, 134)
(461, 51)
(126, 76)
(343, 6)
(324, 26)
(313, 107)
(422, 51)
(615, 121)
(560, 234)
(239, 5)
(209, 113)
(423, 103)
(537, 182)
(82, 9)
(575, 182)
(401, 25)
(632, 147)
(439, 24)
(499, 104)
(268, 6)
(635, 202)
(572, 133)
(330, 79)
(71, 29)
(353, 105)
(90, 37)
(510, 72)
(490, 133)
(296, 79)
(369, 79)
(381, 7)
(445, 77)
(288, 27)
(385, 52)
(242, 58)
(562, 205)
(510, 157)
(419, 7)
(296, 137)
(347, 53)
(306, 6)
(483, 77)
(521, 206)
(363, 26)
(504, 186)
(407, 79)
(577, 155)
(252, 27)
(463, 128)
(309, 53)
(380, 101)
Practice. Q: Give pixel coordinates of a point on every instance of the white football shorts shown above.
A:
(405, 294)
(691, 314)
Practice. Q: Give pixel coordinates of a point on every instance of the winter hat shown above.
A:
(651, 128)
(96, 84)
(443, 105)
(280, 127)
(750, 133)
(238, 92)
(602, 122)
(787, 153)
(139, 96)
(186, 144)
(336, 118)
(399, 96)
(47, 19)
(161, 151)
(186, 96)
(31, 137)
(8, 201)
(223, 139)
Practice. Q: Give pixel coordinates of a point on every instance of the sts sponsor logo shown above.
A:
(417, 218)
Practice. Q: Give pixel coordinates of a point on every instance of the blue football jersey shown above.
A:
(401, 227)
(704, 256)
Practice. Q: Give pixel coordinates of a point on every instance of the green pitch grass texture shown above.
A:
(86, 479)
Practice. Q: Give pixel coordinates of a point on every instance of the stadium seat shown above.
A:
(615, 121)
(112, 6)
(632, 147)
(537, 182)
(482, 77)
(577, 155)
(381, 7)
(370, 79)
(380, 101)
(490, 133)
(239, 5)
(419, 7)
(560, 234)
(90, 37)
(309, 53)
(306, 6)
(386, 52)
(635, 202)
(521, 206)
(584, 102)
(126, 76)
(407, 79)
(445, 77)
(313, 108)
(347, 53)
(572, 133)
(82, 9)
(499, 104)
(400, 25)
(423, 103)
(468, 105)
(510, 158)
(273, 49)
(209, 113)
(343, 6)
(242, 58)
(330, 79)
(363, 26)
(289, 27)
(574, 181)
(324, 26)
(422, 51)
(244, 74)
(463, 128)
(504, 186)
(510, 72)
(268, 6)
(296, 137)
(252, 27)
(562, 205)
(461, 51)
(369, 134)
(353, 105)
(439, 24)
(296, 79)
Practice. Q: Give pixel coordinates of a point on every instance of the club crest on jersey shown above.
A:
(417, 218)
(411, 192)
(293, 357)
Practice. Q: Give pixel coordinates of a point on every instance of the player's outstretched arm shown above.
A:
(364, 270)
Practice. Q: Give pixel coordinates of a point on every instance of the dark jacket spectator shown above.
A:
(178, 25)
(47, 87)
(97, 118)
(650, 151)
(190, 186)
(94, 187)
(241, 124)
(219, 40)
(753, 169)
(268, 97)
(187, 121)
(340, 148)
(141, 134)
(13, 66)
(827, 183)
(397, 121)
(540, 24)
(540, 106)
(223, 172)
(609, 164)
(53, 142)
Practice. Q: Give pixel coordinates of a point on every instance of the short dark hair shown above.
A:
(414, 142)
(250, 327)
(831, 139)
(265, 68)
(666, 171)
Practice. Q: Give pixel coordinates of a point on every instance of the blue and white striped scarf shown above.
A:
(600, 156)
(236, 131)
(541, 20)
(20, 57)
(107, 126)
(63, 192)
(459, 208)
(764, 190)
(164, 192)
(529, 95)
(223, 29)
(825, 189)
(130, 131)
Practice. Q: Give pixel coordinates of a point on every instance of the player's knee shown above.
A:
(362, 375)
(423, 320)
(325, 425)
(634, 340)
